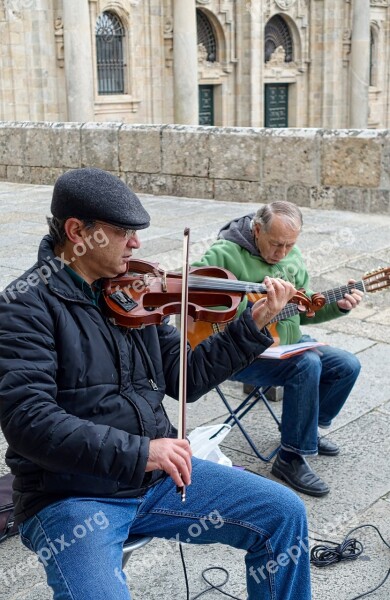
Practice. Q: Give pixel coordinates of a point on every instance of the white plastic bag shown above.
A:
(204, 443)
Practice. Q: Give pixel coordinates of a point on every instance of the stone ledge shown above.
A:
(316, 168)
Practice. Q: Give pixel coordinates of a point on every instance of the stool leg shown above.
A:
(236, 415)
(126, 558)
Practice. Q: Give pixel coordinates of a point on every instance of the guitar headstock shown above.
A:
(377, 280)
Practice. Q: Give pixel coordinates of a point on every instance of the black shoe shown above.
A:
(299, 476)
(327, 448)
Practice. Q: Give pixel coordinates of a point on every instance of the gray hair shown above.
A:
(289, 211)
(57, 229)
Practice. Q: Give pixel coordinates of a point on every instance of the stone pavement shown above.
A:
(338, 246)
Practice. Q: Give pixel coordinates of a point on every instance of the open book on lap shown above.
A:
(289, 350)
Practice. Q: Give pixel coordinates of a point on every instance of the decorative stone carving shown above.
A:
(202, 53)
(14, 8)
(278, 57)
(285, 4)
(59, 38)
(279, 70)
(168, 26)
(379, 2)
(347, 35)
(208, 70)
(168, 42)
(202, 59)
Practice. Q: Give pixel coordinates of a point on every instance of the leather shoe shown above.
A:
(299, 475)
(327, 447)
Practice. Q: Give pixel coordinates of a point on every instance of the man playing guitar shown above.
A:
(316, 383)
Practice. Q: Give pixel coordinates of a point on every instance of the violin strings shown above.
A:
(216, 283)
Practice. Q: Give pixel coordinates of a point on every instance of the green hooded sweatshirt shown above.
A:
(236, 251)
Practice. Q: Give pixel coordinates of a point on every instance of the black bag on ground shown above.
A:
(7, 525)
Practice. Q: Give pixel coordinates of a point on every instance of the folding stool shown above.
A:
(133, 542)
(256, 395)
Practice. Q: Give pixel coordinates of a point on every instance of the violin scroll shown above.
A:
(306, 304)
(318, 301)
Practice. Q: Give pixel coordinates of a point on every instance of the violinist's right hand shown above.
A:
(279, 292)
(172, 456)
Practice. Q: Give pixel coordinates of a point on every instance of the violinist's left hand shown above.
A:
(351, 300)
(279, 292)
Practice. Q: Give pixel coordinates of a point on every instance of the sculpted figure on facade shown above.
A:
(278, 57)
(285, 4)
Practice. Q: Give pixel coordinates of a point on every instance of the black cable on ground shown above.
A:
(212, 586)
(348, 549)
(320, 556)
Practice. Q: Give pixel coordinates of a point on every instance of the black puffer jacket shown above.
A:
(80, 398)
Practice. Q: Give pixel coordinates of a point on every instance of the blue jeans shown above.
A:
(79, 540)
(316, 385)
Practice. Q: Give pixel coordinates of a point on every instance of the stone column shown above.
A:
(256, 39)
(360, 64)
(78, 60)
(185, 63)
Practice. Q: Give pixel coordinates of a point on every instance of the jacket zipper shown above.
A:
(145, 362)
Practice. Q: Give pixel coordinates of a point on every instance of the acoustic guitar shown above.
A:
(371, 282)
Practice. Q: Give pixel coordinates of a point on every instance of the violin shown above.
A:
(147, 293)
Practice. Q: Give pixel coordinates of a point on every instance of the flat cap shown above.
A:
(94, 194)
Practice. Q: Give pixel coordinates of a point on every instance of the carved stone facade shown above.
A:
(308, 55)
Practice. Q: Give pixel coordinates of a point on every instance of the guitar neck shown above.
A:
(339, 293)
(331, 296)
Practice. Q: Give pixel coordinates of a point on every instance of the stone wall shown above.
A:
(32, 80)
(334, 169)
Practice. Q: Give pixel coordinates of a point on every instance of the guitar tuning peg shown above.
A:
(373, 271)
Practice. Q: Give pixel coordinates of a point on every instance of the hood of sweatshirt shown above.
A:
(239, 231)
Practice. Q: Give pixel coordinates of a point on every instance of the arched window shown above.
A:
(109, 54)
(278, 34)
(206, 36)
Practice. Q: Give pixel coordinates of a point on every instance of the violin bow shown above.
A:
(183, 348)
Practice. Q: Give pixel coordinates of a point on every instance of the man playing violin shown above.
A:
(93, 452)
(316, 383)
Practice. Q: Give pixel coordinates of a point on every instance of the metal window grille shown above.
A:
(206, 35)
(278, 34)
(109, 54)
